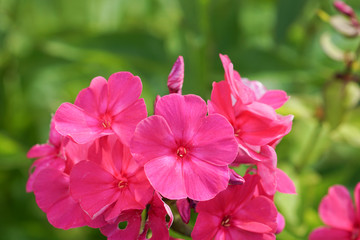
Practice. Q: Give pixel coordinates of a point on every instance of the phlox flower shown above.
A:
(52, 191)
(184, 152)
(251, 111)
(339, 214)
(236, 213)
(111, 183)
(102, 109)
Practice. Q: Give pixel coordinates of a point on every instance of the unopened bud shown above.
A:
(235, 179)
(183, 206)
(176, 76)
(344, 8)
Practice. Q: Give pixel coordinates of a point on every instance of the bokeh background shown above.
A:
(50, 50)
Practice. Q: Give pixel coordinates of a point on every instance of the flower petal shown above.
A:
(93, 187)
(357, 200)
(124, 123)
(337, 210)
(221, 101)
(152, 139)
(124, 90)
(258, 215)
(274, 98)
(93, 99)
(214, 141)
(203, 180)
(324, 233)
(284, 183)
(206, 226)
(51, 189)
(183, 114)
(72, 121)
(166, 176)
(41, 150)
(238, 88)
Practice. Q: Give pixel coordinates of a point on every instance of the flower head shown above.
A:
(104, 108)
(184, 152)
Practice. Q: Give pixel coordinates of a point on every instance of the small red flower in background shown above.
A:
(339, 214)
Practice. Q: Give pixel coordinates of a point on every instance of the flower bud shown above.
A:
(344, 8)
(176, 76)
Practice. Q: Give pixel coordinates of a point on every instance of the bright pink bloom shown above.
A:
(176, 76)
(102, 109)
(111, 186)
(236, 214)
(338, 213)
(251, 111)
(184, 152)
(48, 156)
(51, 190)
(52, 193)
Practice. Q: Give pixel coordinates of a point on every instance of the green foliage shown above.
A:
(50, 50)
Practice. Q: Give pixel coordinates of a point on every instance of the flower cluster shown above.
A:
(107, 163)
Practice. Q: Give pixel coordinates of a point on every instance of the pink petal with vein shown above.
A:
(210, 179)
(124, 123)
(51, 189)
(183, 114)
(152, 139)
(166, 176)
(93, 187)
(94, 98)
(214, 141)
(74, 122)
(124, 90)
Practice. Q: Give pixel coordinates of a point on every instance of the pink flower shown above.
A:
(176, 76)
(52, 193)
(113, 184)
(251, 111)
(48, 156)
(338, 213)
(236, 214)
(184, 152)
(102, 109)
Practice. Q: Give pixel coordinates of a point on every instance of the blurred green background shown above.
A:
(50, 50)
